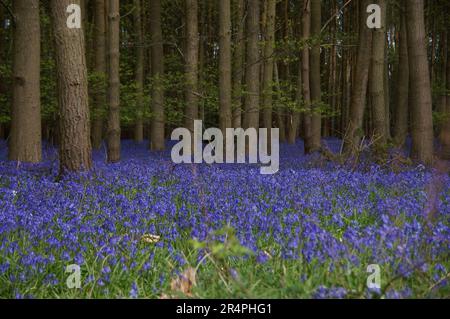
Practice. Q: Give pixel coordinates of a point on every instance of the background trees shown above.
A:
(311, 68)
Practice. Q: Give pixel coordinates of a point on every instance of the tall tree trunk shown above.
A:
(269, 46)
(114, 82)
(316, 92)
(421, 106)
(354, 131)
(225, 108)
(238, 59)
(25, 138)
(192, 50)
(377, 87)
(75, 144)
(157, 55)
(100, 69)
(251, 118)
(445, 135)
(307, 118)
(139, 72)
(402, 86)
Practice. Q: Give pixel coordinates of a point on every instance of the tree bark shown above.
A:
(225, 99)
(307, 118)
(25, 136)
(269, 47)
(139, 72)
(251, 118)
(75, 144)
(402, 86)
(354, 132)
(192, 50)
(114, 82)
(377, 86)
(238, 59)
(100, 69)
(421, 104)
(445, 134)
(316, 92)
(157, 133)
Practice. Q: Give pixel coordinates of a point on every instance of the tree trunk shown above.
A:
(251, 118)
(192, 50)
(114, 82)
(238, 71)
(25, 138)
(307, 117)
(139, 72)
(269, 46)
(316, 92)
(354, 132)
(225, 109)
(157, 137)
(377, 87)
(402, 87)
(421, 106)
(100, 69)
(75, 144)
(445, 135)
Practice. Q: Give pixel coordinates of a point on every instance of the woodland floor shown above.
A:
(143, 227)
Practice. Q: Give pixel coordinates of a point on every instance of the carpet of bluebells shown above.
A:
(309, 231)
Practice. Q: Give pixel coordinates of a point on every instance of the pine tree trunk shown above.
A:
(139, 72)
(225, 109)
(100, 69)
(157, 142)
(113, 136)
(421, 104)
(25, 136)
(251, 118)
(75, 144)
(192, 50)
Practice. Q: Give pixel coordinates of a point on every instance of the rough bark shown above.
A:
(25, 135)
(75, 144)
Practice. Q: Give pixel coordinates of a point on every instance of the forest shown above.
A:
(347, 101)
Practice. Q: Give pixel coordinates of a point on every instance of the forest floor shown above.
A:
(146, 228)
